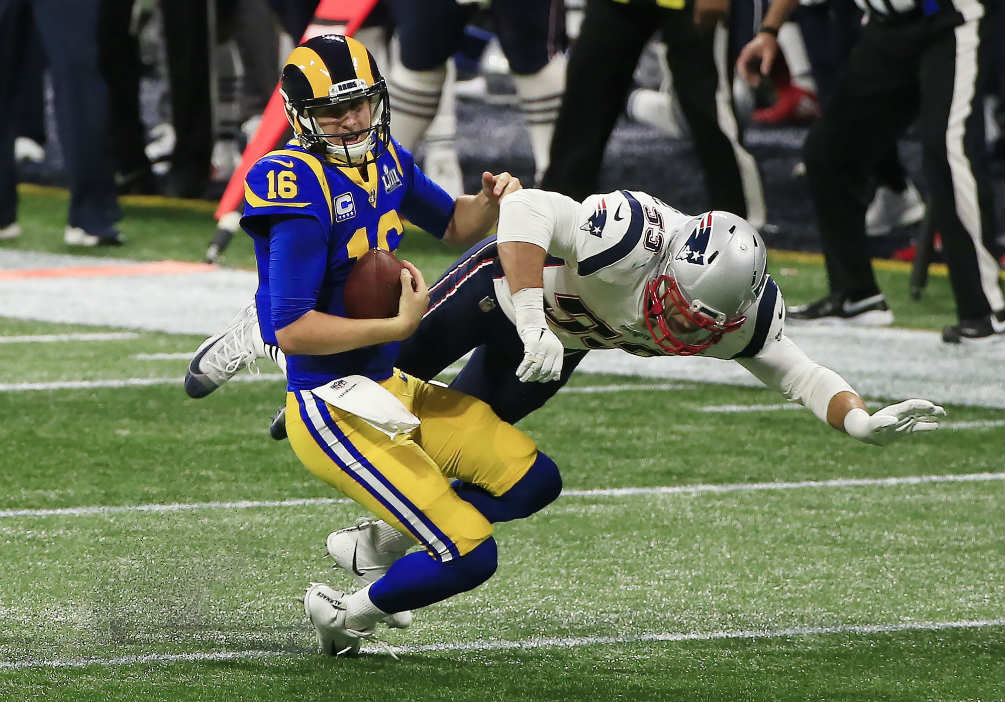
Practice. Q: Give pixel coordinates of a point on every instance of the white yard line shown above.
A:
(610, 492)
(750, 408)
(182, 355)
(524, 644)
(49, 338)
(125, 383)
(795, 485)
(622, 388)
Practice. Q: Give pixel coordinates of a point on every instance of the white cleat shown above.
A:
(353, 551)
(325, 607)
(220, 356)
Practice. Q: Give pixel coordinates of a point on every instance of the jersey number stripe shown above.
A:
(624, 247)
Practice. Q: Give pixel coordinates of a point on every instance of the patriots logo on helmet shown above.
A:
(595, 224)
(693, 250)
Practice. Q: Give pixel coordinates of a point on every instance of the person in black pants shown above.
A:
(119, 59)
(601, 64)
(69, 38)
(921, 63)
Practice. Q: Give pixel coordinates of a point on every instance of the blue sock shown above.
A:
(538, 487)
(418, 579)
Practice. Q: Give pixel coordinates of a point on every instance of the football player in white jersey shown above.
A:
(624, 270)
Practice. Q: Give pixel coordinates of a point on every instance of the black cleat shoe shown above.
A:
(277, 428)
(983, 330)
(869, 311)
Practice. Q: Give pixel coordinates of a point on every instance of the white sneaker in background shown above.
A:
(27, 149)
(75, 236)
(11, 231)
(890, 209)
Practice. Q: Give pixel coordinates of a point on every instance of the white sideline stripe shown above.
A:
(609, 492)
(177, 507)
(795, 485)
(750, 408)
(980, 424)
(46, 338)
(124, 383)
(525, 644)
(163, 356)
(621, 388)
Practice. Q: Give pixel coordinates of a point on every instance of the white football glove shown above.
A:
(542, 351)
(891, 423)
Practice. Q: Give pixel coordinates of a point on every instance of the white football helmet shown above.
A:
(713, 271)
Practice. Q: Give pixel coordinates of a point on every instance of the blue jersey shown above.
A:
(310, 220)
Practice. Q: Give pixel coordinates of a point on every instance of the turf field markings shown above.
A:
(124, 383)
(786, 485)
(979, 424)
(48, 338)
(176, 507)
(107, 271)
(751, 408)
(525, 644)
(186, 355)
(622, 388)
(604, 492)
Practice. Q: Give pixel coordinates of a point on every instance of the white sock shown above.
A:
(441, 163)
(790, 39)
(386, 539)
(361, 613)
(540, 97)
(415, 99)
(277, 356)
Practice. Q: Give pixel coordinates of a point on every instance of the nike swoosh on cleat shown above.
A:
(617, 212)
(848, 307)
(355, 570)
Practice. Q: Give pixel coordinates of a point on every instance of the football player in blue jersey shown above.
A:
(390, 441)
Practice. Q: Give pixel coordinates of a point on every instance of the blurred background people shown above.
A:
(68, 32)
(611, 39)
(916, 60)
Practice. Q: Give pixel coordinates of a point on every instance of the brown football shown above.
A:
(373, 288)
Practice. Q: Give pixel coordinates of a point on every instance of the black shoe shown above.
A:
(277, 429)
(987, 328)
(869, 311)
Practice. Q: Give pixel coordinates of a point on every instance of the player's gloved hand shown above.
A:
(891, 423)
(542, 351)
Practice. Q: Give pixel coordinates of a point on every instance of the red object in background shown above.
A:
(909, 253)
(332, 16)
(793, 105)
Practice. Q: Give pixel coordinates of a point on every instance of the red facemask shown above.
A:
(663, 296)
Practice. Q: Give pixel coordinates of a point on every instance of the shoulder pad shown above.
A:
(288, 181)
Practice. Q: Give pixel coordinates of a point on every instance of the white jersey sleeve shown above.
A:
(776, 361)
(539, 217)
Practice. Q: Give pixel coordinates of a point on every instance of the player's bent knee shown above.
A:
(539, 487)
(476, 566)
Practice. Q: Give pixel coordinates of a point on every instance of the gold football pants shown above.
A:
(406, 481)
